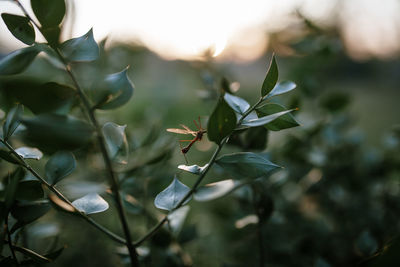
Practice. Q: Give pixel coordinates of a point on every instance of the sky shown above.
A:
(185, 29)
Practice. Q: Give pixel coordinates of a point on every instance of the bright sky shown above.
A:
(230, 28)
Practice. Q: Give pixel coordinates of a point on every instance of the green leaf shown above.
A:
(264, 120)
(169, 198)
(91, 203)
(239, 105)
(195, 169)
(27, 212)
(221, 122)
(32, 254)
(20, 27)
(50, 13)
(114, 91)
(29, 190)
(29, 153)
(53, 132)
(116, 142)
(8, 156)
(271, 78)
(12, 121)
(283, 122)
(18, 61)
(215, 190)
(12, 186)
(247, 165)
(281, 88)
(60, 165)
(80, 49)
(177, 218)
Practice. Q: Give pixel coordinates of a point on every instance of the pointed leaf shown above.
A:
(82, 48)
(32, 254)
(283, 122)
(114, 91)
(11, 188)
(12, 121)
(264, 120)
(172, 195)
(60, 165)
(281, 88)
(247, 165)
(8, 156)
(221, 122)
(195, 169)
(18, 61)
(91, 203)
(20, 27)
(29, 190)
(50, 13)
(239, 105)
(177, 218)
(215, 190)
(271, 78)
(117, 145)
(28, 212)
(29, 152)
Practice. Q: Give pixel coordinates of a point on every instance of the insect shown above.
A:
(198, 135)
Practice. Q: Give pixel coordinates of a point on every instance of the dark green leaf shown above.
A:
(29, 190)
(20, 27)
(50, 13)
(116, 142)
(59, 166)
(52, 35)
(172, 195)
(32, 254)
(18, 60)
(29, 153)
(283, 122)
(114, 91)
(221, 122)
(12, 121)
(264, 120)
(91, 203)
(82, 48)
(12, 186)
(281, 88)
(247, 165)
(51, 256)
(195, 169)
(271, 78)
(57, 132)
(27, 212)
(215, 190)
(8, 156)
(239, 105)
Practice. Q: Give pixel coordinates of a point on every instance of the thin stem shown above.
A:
(260, 239)
(199, 179)
(53, 189)
(9, 242)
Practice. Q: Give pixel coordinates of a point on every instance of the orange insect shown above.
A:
(198, 135)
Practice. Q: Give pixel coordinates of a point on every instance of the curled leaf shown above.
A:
(169, 198)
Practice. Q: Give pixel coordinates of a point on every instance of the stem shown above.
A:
(53, 189)
(199, 179)
(9, 242)
(259, 230)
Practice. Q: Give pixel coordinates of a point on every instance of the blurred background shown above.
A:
(336, 203)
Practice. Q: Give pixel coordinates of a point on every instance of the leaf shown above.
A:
(91, 203)
(131, 204)
(271, 77)
(29, 190)
(195, 169)
(177, 218)
(114, 91)
(12, 186)
(80, 49)
(221, 122)
(28, 212)
(60, 165)
(20, 27)
(169, 198)
(239, 105)
(281, 88)
(283, 122)
(53, 132)
(12, 121)
(264, 120)
(247, 165)
(116, 142)
(29, 152)
(18, 61)
(366, 244)
(50, 13)
(32, 254)
(215, 190)
(8, 156)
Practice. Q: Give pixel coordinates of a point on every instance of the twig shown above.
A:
(9, 241)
